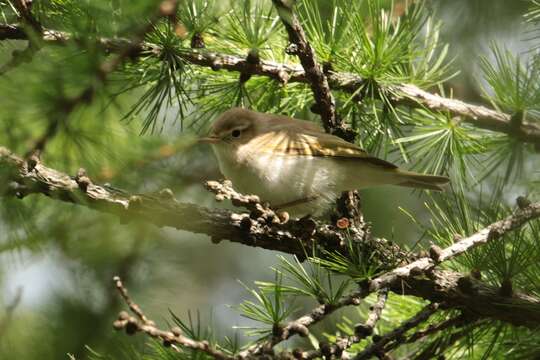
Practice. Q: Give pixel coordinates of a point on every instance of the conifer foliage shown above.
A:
(124, 87)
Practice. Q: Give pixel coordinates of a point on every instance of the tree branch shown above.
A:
(485, 235)
(326, 105)
(361, 331)
(172, 338)
(419, 278)
(478, 116)
(33, 28)
(374, 315)
(296, 237)
(404, 94)
(12, 32)
(459, 291)
(24, 9)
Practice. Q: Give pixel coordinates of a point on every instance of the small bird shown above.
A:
(295, 166)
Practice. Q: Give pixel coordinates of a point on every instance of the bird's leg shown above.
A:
(295, 202)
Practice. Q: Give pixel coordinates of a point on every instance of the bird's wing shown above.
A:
(287, 141)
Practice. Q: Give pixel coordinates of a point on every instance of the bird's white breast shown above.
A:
(280, 179)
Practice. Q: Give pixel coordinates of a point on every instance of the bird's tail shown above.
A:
(421, 181)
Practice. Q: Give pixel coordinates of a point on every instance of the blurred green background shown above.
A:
(62, 257)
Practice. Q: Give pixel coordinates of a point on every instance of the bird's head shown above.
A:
(236, 126)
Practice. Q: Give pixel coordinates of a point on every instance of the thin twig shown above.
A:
(361, 331)
(436, 328)
(172, 338)
(132, 306)
(377, 348)
(440, 345)
(489, 233)
(326, 105)
(405, 94)
(375, 313)
(32, 30)
(446, 325)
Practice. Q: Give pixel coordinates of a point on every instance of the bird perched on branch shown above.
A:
(295, 166)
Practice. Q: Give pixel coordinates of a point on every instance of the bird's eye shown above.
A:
(235, 133)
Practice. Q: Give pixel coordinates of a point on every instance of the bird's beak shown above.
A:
(209, 140)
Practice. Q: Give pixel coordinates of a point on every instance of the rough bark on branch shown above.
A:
(419, 278)
(406, 94)
(22, 178)
(473, 296)
(326, 105)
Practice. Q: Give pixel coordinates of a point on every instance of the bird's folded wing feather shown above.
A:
(287, 141)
